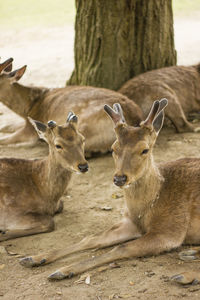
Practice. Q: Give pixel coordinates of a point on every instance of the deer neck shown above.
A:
(142, 194)
(52, 178)
(21, 99)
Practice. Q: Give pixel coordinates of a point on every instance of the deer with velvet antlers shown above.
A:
(31, 189)
(161, 201)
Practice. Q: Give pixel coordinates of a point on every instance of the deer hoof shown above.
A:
(188, 255)
(58, 275)
(185, 278)
(27, 262)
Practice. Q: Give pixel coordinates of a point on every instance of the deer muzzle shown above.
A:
(83, 167)
(120, 180)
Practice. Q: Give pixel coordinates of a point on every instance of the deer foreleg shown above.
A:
(149, 244)
(119, 233)
(28, 225)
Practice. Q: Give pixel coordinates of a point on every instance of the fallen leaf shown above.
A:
(131, 283)
(59, 293)
(11, 253)
(87, 280)
(126, 296)
(142, 291)
(110, 266)
(106, 208)
(92, 207)
(149, 273)
(114, 265)
(82, 278)
(116, 196)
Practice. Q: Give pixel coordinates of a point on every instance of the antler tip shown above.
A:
(51, 124)
(72, 117)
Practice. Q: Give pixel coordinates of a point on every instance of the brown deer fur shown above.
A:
(31, 189)
(162, 202)
(179, 84)
(45, 104)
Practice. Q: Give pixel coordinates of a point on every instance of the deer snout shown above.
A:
(83, 167)
(120, 180)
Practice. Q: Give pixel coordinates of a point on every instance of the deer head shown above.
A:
(132, 150)
(9, 86)
(66, 144)
(7, 75)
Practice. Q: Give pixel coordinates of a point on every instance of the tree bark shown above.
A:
(118, 39)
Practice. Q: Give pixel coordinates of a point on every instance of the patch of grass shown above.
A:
(185, 7)
(28, 13)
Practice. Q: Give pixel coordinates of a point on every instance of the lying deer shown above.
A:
(31, 189)
(52, 104)
(161, 202)
(179, 84)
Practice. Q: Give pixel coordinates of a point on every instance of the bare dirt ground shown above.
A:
(49, 55)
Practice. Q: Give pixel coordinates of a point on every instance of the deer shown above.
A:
(179, 84)
(161, 201)
(45, 104)
(31, 189)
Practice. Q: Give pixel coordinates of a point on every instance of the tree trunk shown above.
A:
(118, 39)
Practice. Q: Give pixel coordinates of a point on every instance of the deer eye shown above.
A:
(145, 151)
(58, 146)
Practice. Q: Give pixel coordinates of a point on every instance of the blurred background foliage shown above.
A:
(30, 13)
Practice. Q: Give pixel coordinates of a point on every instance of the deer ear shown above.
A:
(40, 128)
(8, 68)
(159, 119)
(158, 122)
(5, 65)
(17, 74)
(115, 113)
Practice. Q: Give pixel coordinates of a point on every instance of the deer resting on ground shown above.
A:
(179, 84)
(31, 189)
(45, 104)
(162, 202)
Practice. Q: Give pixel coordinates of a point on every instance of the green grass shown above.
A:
(185, 7)
(43, 13)
(29, 13)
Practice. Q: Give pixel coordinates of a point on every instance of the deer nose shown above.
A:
(120, 180)
(83, 167)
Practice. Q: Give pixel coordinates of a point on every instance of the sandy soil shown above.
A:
(144, 278)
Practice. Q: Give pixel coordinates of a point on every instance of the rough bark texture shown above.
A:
(116, 40)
